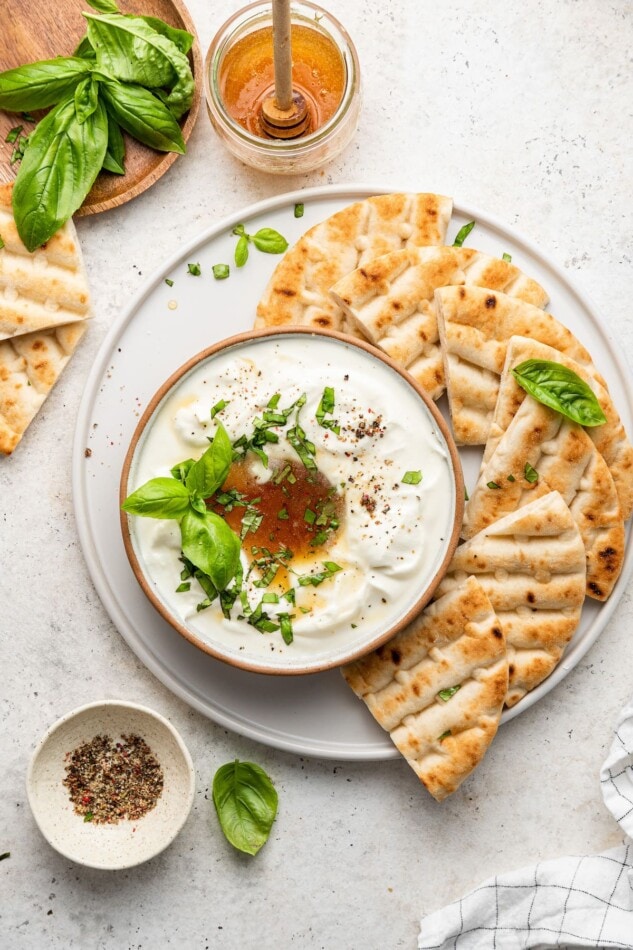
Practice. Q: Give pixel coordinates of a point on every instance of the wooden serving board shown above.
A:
(32, 31)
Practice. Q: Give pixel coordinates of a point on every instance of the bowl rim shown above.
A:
(174, 830)
(252, 665)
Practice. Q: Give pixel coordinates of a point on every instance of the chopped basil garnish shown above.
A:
(326, 407)
(221, 271)
(493, 485)
(313, 580)
(1, 242)
(530, 474)
(463, 233)
(88, 816)
(169, 281)
(282, 514)
(411, 478)
(14, 134)
(219, 406)
(444, 735)
(194, 269)
(511, 478)
(251, 521)
(506, 257)
(446, 694)
(285, 623)
(186, 585)
(299, 210)
(309, 516)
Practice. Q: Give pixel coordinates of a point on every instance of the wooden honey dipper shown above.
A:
(284, 115)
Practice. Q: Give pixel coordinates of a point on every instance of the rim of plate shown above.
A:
(353, 192)
(319, 664)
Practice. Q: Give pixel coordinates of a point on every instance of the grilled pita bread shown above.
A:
(409, 686)
(390, 301)
(562, 458)
(297, 292)
(45, 289)
(531, 564)
(30, 365)
(475, 326)
(610, 439)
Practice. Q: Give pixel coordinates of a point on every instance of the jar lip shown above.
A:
(316, 17)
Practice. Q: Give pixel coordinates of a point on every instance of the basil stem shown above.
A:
(463, 233)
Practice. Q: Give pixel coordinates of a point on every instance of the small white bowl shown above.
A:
(109, 846)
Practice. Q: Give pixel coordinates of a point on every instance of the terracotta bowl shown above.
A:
(331, 635)
(106, 845)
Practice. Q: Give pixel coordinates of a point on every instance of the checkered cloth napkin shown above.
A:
(568, 902)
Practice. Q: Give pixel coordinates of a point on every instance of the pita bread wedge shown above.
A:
(30, 365)
(45, 289)
(540, 451)
(438, 687)
(610, 439)
(475, 326)
(297, 292)
(531, 564)
(390, 301)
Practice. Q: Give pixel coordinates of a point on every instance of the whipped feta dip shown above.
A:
(381, 451)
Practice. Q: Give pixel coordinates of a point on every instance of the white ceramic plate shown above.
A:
(314, 715)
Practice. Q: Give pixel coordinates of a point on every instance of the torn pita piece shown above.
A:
(45, 289)
(475, 326)
(541, 451)
(531, 564)
(438, 687)
(610, 439)
(390, 301)
(297, 293)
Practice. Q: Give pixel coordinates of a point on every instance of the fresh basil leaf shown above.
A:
(208, 474)
(181, 470)
(130, 49)
(61, 163)
(246, 802)
(209, 543)
(103, 6)
(180, 38)
(158, 498)
(561, 389)
(115, 154)
(40, 85)
(143, 115)
(269, 241)
(463, 233)
(86, 99)
(85, 49)
(241, 251)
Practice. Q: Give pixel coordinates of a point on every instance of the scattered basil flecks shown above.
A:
(448, 693)
(169, 281)
(411, 478)
(530, 474)
(221, 271)
(299, 208)
(194, 269)
(1, 242)
(246, 803)
(506, 257)
(493, 485)
(266, 239)
(463, 233)
(444, 735)
(559, 388)
(128, 72)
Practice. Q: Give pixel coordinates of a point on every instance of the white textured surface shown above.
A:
(522, 110)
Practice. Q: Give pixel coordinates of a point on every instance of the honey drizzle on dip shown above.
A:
(392, 534)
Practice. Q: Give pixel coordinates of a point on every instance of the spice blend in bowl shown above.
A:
(290, 500)
(111, 784)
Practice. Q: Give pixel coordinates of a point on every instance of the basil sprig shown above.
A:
(559, 388)
(208, 543)
(246, 802)
(266, 239)
(128, 72)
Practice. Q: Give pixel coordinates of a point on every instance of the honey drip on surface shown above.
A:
(247, 76)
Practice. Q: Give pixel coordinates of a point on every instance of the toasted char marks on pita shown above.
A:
(297, 292)
(567, 461)
(610, 439)
(45, 289)
(30, 365)
(475, 326)
(390, 301)
(456, 641)
(531, 564)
